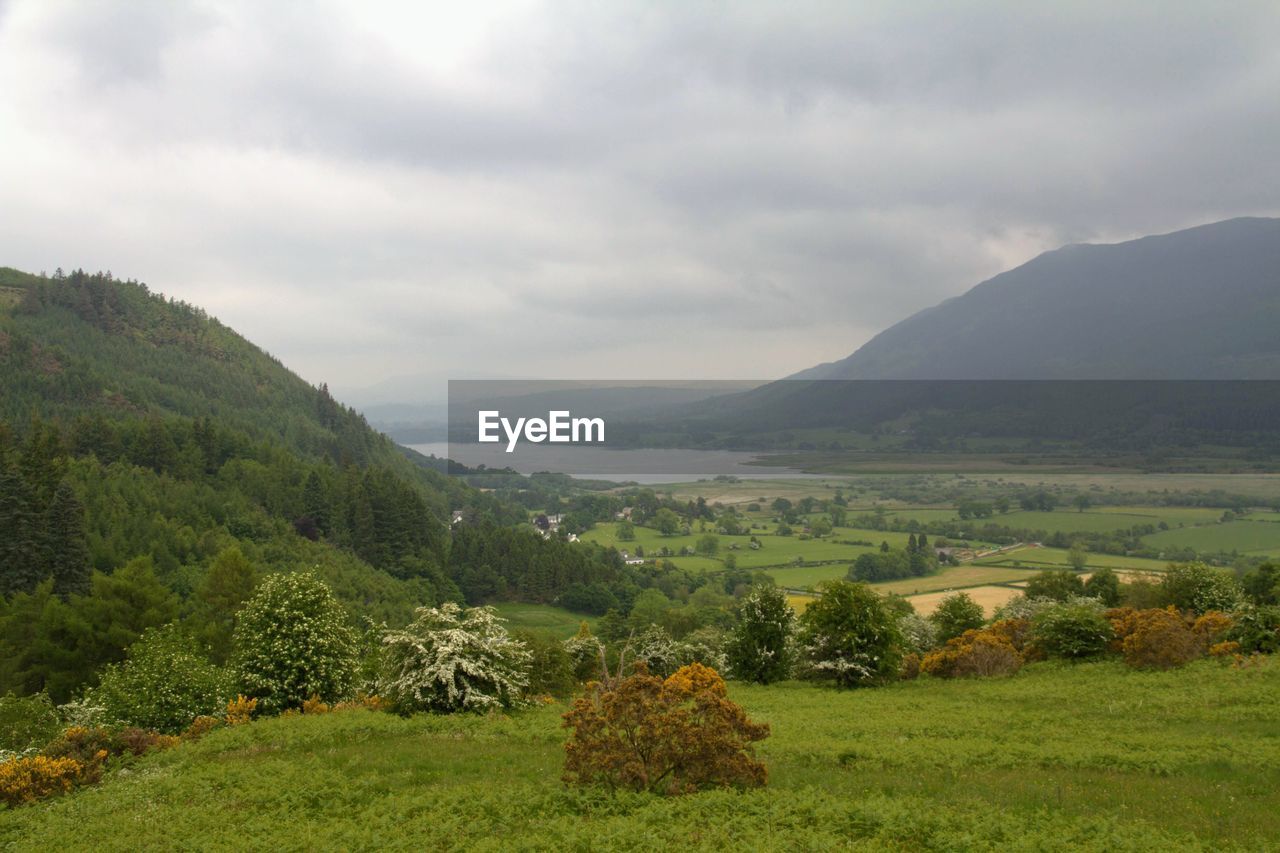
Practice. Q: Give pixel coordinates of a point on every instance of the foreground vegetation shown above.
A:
(1088, 756)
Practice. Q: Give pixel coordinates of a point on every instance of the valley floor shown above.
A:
(1092, 756)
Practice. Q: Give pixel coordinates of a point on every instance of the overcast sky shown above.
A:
(387, 195)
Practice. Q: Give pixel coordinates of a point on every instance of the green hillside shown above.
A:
(138, 432)
(1084, 757)
(82, 344)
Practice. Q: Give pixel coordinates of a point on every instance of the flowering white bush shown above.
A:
(704, 646)
(164, 684)
(762, 646)
(658, 651)
(292, 642)
(584, 653)
(919, 635)
(450, 659)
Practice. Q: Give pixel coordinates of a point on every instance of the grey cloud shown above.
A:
(658, 188)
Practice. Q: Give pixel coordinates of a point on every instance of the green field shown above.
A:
(1243, 536)
(1086, 757)
(542, 618)
(1056, 558)
(775, 550)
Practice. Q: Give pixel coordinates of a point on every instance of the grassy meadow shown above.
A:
(1057, 757)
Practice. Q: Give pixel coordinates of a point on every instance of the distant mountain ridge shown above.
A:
(1202, 303)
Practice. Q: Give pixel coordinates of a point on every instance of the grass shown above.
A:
(1086, 757)
(776, 551)
(542, 618)
(1056, 558)
(1244, 536)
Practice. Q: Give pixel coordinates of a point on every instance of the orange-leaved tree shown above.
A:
(671, 736)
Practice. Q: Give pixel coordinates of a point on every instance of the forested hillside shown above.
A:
(154, 465)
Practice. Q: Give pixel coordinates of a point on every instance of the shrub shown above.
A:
(658, 651)
(200, 727)
(761, 647)
(1017, 633)
(27, 721)
(292, 642)
(1055, 585)
(1199, 588)
(1257, 629)
(136, 741)
(85, 745)
(1073, 630)
(909, 669)
(164, 684)
(1159, 639)
(314, 705)
(1104, 585)
(705, 646)
(240, 710)
(849, 637)
(449, 659)
(973, 653)
(551, 670)
(1212, 628)
(919, 635)
(956, 614)
(25, 780)
(669, 736)
(584, 651)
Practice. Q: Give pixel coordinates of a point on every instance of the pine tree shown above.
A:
(68, 544)
(22, 563)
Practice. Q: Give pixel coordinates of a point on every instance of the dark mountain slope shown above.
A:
(1203, 303)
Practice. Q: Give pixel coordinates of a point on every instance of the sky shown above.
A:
(389, 195)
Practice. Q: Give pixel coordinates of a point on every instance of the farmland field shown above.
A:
(1242, 536)
(1056, 558)
(1143, 761)
(989, 597)
(775, 550)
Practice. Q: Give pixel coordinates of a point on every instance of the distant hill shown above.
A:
(1203, 303)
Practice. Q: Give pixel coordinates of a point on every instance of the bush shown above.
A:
(1212, 628)
(27, 722)
(848, 636)
(658, 651)
(1257, 629)
(668, 736)
(449, 659)
(1055, 585)
(240, 710)
(1074, 630)
(973, 653)
(292, 642)
(919, 635)
(956, 614)
(705, 646)
(551, 670)
(1199, 588)
(1158, 639)
(1104, 585)
(760, 649)
(25, 780)
(164, 684)
(584, 651)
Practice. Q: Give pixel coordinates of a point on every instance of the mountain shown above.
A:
(1203, 303)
